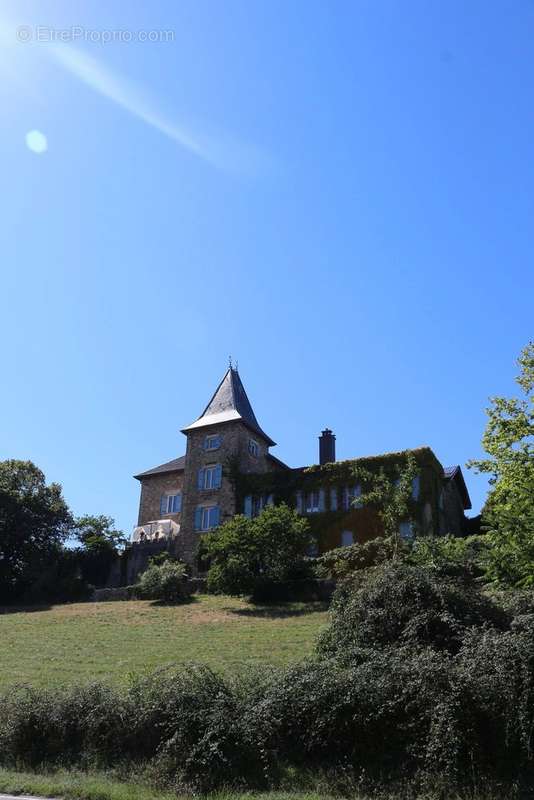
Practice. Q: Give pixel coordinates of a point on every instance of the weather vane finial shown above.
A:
(230, 361)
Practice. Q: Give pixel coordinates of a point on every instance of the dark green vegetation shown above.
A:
(247, 556)
(35, 524)
(508, 514)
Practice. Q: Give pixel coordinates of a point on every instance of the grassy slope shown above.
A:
(85, 641)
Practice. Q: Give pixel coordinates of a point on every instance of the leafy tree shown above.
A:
(100, 543)
(508, 513)
(167, 582)
(34, 522)
(248, 554)
(96, 532)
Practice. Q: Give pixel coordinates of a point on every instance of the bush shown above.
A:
(246, 555)
(401, 605)
(167, 582)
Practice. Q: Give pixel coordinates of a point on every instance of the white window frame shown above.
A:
(253, 448)
(212, 442)
(169, 498)
(210, 473)
(312, 502)
(350, 495)
(205, 518)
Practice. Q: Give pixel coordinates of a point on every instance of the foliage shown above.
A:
(509, 510)
(450, 555)
(99, 543)
(341, 562)
(389, 493)
(402, 605)
(245, 554)
(168, 582)
(34, 520)
(98, 532)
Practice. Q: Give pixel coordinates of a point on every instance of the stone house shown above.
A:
(228, 469)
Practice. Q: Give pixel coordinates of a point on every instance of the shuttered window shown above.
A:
(207, 517)
(210, 477)
(170, 503)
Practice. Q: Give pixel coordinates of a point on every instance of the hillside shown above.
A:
(83, 641)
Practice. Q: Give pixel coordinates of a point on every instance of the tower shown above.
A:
(226, 434)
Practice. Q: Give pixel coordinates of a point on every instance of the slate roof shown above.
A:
(176, 465)
(455, 473)
(229, 402)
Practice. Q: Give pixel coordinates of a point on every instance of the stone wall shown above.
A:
(152, 488)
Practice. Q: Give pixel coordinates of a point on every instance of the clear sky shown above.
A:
(339, 195)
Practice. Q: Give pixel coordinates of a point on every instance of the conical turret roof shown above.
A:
(229, 403)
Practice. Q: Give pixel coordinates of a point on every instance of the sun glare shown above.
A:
(36, 142)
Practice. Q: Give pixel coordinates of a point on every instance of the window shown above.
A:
(347, 538)
(253, 448)
(315, 501)
(333, 498)
(298, 502)
(210, 477)
(350, 495)
(406, 531)
(253, 506)
(170, 503)
(416, 485)
(212, 442)
(206, 517)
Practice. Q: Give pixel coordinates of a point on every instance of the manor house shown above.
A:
(228, 469)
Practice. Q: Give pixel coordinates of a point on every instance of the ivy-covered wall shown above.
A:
(364, 523)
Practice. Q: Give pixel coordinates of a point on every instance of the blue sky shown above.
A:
(339, 195)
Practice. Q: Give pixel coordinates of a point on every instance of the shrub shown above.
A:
(399, 604)
(167, 582)
(246, 555)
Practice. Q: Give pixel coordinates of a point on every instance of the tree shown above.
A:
(100, 544)
(94, 532)
(508, 514)
(245, 554)
(34, 522)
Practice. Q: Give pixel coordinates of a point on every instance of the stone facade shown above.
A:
(233, 450)
(152, 489)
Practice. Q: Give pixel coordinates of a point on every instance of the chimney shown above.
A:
(327, 447)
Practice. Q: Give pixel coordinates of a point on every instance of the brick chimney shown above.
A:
(327, 447)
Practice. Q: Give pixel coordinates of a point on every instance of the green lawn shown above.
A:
(85, 641)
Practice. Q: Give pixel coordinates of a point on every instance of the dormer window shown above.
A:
(253, 448)
(212, 442)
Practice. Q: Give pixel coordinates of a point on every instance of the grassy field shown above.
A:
(84, 641)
